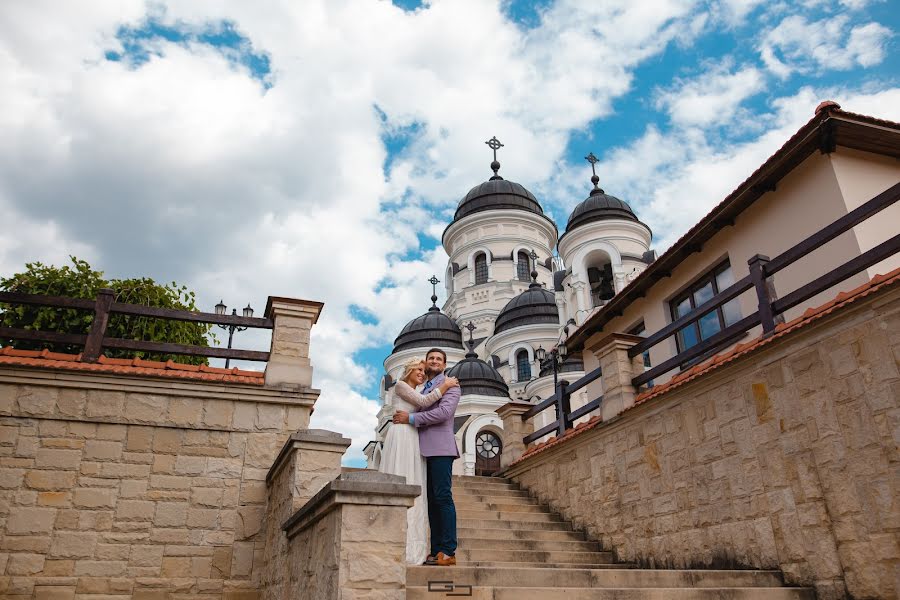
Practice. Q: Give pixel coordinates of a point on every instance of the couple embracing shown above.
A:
(421, 446)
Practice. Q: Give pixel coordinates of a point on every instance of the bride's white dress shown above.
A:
(400, 456)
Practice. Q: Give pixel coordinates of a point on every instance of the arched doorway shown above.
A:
(488, 448)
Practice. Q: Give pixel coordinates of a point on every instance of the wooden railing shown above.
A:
(761, 269)
(96, 340)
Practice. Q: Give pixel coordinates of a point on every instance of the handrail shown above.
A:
(761, 270)
(103, 306)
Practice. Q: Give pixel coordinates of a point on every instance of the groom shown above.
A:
(438, 445)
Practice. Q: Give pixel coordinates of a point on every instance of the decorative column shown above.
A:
(289, 355)
(514, 429)
(618, 370)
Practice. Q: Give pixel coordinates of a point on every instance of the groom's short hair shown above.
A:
(444, 354)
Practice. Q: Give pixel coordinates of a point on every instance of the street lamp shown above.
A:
(220, 310)
(557, 356)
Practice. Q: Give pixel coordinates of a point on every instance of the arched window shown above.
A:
(523, 366)
(481, 269)
(523, 268)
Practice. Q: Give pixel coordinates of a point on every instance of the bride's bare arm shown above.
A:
(413, 397)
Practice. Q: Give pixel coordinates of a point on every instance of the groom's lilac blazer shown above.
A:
(435, 424)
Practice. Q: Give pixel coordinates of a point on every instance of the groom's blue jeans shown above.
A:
(441, 510)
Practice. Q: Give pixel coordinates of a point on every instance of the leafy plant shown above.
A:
(81, 281)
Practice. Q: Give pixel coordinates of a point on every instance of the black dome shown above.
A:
(497, 193)
(477, 377)
(598, 207)
(534, 305)
(434, 329)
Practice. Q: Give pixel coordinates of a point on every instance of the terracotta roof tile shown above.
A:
(811, 314)
(45, 359)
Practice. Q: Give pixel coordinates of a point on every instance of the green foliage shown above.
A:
(80, 281)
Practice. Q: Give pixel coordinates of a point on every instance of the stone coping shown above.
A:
(247, 392)
(320, 439)
(362, 487)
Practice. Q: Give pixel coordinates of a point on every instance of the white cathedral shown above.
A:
(519, 283)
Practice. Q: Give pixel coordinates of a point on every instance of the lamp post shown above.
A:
(557, 356)
(220, 310)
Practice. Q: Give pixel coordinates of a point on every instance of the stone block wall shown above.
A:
(786, 458)
(119, 486)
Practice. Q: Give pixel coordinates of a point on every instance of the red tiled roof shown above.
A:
(812, 314)
(44, 359)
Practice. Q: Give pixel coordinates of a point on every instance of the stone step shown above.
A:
(502, 507)
(533, 556)
(484, 487)
(479, 543)
(462, 492)
(480, 523)
(518, 534)
(513, 516)
(480, 478)
(543, 566)
(545, 593)
(594, 578)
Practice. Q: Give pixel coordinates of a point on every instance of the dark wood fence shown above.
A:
(762, 269)
(96, 340)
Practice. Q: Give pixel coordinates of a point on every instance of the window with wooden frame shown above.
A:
(481, 268)
(523, 269)
(523, 366)
(701, 290)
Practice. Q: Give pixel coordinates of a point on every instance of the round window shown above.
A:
(487, 444)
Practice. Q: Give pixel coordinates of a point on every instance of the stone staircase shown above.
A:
(512, 548)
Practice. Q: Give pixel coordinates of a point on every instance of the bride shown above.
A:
(400, 455)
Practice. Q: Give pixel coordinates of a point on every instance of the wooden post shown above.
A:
(758, 276)
(94, 344)
(563, 408)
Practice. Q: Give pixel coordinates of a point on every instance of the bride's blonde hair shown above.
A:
(409, 365)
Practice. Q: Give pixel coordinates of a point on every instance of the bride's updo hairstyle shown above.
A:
(409, 365)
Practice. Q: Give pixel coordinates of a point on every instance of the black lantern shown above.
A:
(221, 308)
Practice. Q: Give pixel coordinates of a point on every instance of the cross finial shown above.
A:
(434, 281)
(471, 343)
(594, 179)
(494, 144)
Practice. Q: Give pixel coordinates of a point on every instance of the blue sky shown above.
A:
(318, 149)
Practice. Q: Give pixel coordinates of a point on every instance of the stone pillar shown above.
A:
(289, 355)
(307, 462)
(514, 429)
(618, 370)
(349, 540)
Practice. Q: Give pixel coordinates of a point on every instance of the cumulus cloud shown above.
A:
(712, 97)
(797, 44)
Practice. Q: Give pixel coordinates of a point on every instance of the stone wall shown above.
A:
(785, 458)
(128, 486)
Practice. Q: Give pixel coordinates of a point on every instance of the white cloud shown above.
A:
(796, 44)
(710, 98)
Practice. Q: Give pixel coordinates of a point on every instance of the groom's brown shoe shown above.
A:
(442, 560)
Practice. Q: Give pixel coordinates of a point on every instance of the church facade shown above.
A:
(514, 289)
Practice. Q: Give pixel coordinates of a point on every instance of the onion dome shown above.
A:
(434, 329)
(599, 205)
(534, 305)
(476, 376)
(497, 193)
